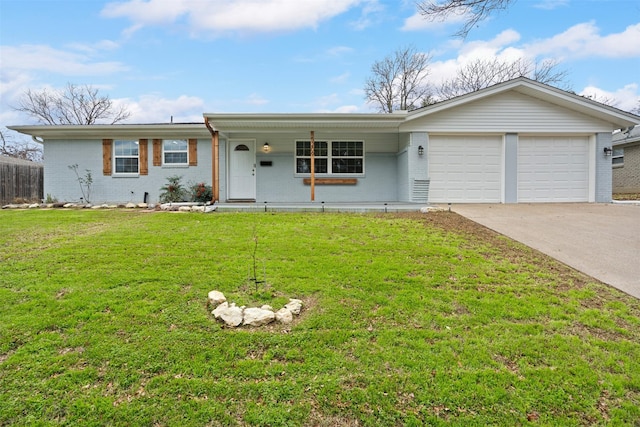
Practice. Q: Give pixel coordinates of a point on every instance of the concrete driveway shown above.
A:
(601, 240)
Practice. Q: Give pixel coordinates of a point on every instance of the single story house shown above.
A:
(517, 141)
(626, 160)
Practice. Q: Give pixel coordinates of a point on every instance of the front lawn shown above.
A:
(409, 320)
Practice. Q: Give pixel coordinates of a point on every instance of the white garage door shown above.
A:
(553, 169)
(465, 169)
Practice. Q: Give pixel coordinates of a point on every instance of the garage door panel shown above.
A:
(553, 169)
(465, 169)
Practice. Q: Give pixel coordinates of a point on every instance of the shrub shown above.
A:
(173, 190)
(201, 193)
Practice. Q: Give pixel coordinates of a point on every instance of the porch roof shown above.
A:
(238, 122)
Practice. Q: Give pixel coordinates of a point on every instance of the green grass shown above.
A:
(408, 320)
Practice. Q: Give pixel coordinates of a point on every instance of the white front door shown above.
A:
(242, 170)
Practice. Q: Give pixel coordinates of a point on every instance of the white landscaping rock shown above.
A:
(229, 314)
(294, 306)
(184, 209)
(255, 316)
(216, 298)
(284, 316)
(130, 205)
(427, 209)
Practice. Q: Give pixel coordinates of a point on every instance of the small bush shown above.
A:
(173, 190)
(201, 193)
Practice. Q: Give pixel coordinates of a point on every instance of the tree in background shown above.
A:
(397, 81)
(483, 73)
(19, 149)
(77, 105)
(473, 10)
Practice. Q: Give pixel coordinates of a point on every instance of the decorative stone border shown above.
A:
(71, 205)
(234, 316)
(181, 207)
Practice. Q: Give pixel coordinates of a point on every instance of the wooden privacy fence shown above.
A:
(20, 180)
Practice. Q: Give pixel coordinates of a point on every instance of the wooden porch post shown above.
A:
(215, 161)
(313, 167)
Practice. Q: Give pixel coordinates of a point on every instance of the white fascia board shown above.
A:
(298, 122)
(177, 130)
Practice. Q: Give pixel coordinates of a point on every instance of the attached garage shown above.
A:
(465, 169)
(553, 169)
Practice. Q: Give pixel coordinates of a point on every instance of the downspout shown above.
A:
(215, 160)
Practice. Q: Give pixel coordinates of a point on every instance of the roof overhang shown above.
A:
(176, 130)
(618, 118)
(238, 122)
(628, 136)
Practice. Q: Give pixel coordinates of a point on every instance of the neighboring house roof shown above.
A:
(626, 136)
(540, 91)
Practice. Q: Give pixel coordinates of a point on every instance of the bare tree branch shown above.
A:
(80, 105)
(474, 11)
(20, 149)
(483, 73)
(397, 81)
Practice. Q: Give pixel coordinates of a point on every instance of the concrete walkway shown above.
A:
(601, 240)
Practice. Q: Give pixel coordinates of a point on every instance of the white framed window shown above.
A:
(126, 156)
(175, 152)
(331, 157)
(617, 158)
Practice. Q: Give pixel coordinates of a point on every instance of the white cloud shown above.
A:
(372, 13)
(584, 40)
(153, 108)
(219, 17)
(256, 99)
(342, 78)
(551, 4)
(331, 53)
(626, 98)
(46, 58)
(417, 22)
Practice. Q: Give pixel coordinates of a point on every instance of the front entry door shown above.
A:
(242, 170)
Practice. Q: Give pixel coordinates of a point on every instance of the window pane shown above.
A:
(173, 158)
(346, 148)
(304, 165)
(175, 144)
(343, 165)
(126, 165)
(303, 148)
(126, 148)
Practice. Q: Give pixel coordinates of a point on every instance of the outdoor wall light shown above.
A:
(608, 151)
(420, 150)
(266, 147)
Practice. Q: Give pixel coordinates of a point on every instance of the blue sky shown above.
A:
(181, 58)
